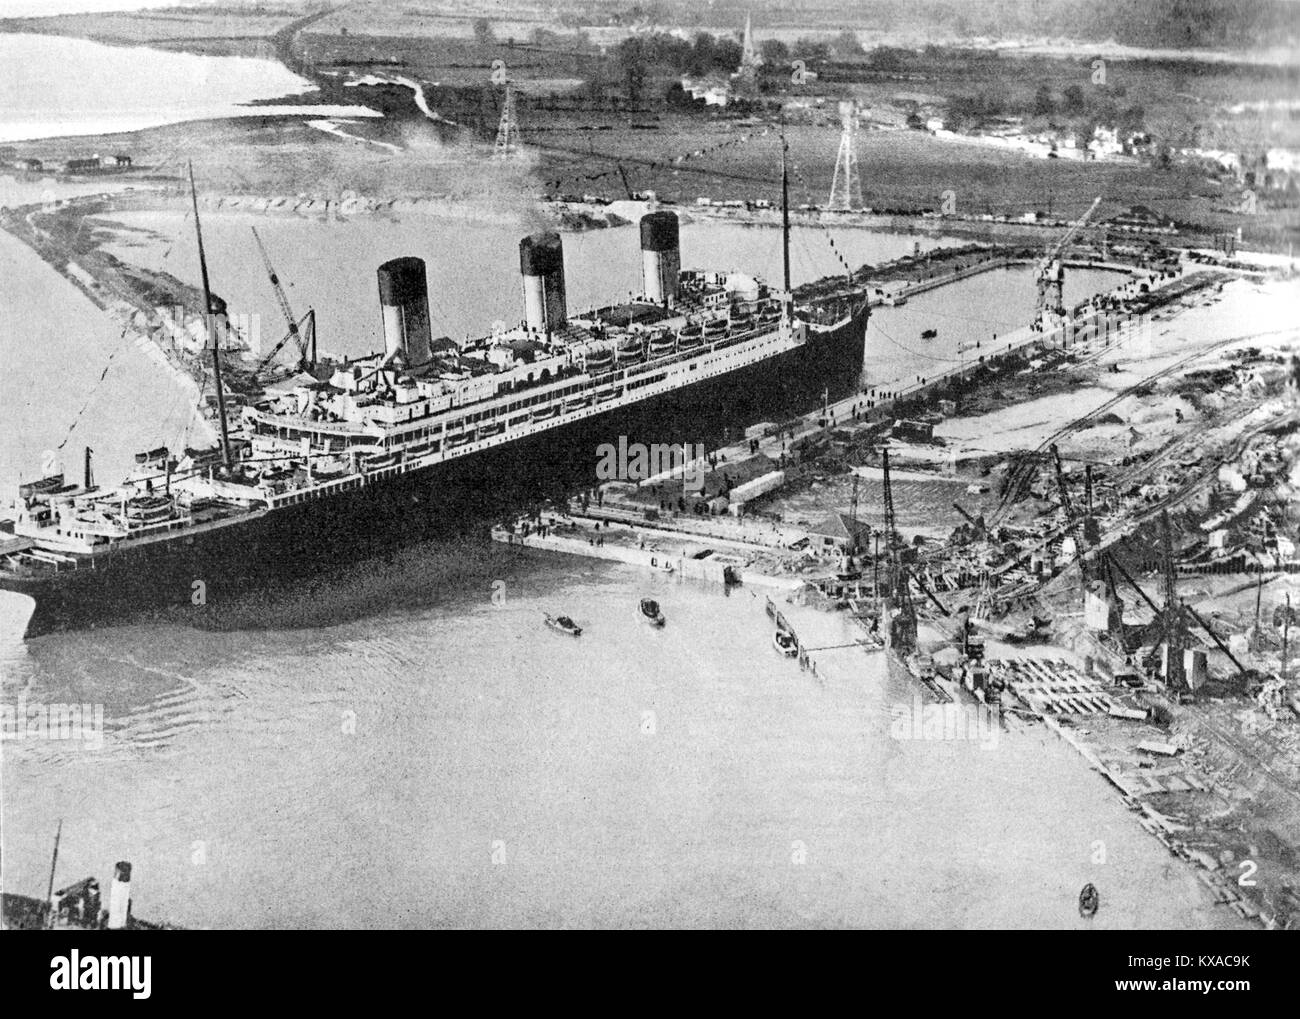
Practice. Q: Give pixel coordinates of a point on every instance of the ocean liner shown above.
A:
(427, 435)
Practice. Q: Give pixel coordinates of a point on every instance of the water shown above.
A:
(974, 310)
(52, 87)
(229, 778)
(399, 748)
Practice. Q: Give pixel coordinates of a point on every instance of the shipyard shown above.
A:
(485, 451)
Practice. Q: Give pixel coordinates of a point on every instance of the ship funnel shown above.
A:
(404, 300)
(541, 260)
(661, 256)
(119, 897)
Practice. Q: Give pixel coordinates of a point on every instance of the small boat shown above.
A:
(929, 334)
(650, 610)
(148, 509)
(662, 344)
(153, 455)
(599, 360)
(631, 355)
(577, 403)
(715, 328)
(548, 411)
(784, 641)
(563, 624)
(1089, 901)
(690, 336)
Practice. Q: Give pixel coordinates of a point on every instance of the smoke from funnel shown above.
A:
(404, 301)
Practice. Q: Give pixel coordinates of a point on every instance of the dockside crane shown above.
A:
(1072, 523)
(1113, 564)
(1051, 270)
(1174, 619)
(297, 326)
(902, 628)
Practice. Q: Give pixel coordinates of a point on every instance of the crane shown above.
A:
(1051, 271)
(1072, 523)
(306, 351)
(1175, 623)
(902, 629)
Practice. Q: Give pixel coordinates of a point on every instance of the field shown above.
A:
(587, 130)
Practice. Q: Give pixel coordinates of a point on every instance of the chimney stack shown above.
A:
(661, 256)
(119, 897)
(404, 300)
(541, 261)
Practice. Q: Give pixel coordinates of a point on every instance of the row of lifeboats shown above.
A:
(635, 349)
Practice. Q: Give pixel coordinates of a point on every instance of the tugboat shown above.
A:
(563, 624)
(78, 906)
(650, 610)
(784, 641)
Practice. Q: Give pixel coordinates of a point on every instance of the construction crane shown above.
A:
(1051, 271)
(1174, 620)
(1072, 523)
(1112, 563)
(902, 628)
(306, 348)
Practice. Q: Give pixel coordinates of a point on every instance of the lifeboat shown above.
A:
(690, 336)
(769, 313)
(549, 411)
(662, 344)
(46, 485)
(599, 359)
(148, 509)
(741, 321)
(631, 351)
(715, 328)
(577, 402)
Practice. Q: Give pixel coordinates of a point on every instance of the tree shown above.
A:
(1072, 104)
(846, 45)
(1043, 104)
(774, 51)
(885, 58)
(483, 33)
(811, 49)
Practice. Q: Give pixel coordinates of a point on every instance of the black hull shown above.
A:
(215, 567)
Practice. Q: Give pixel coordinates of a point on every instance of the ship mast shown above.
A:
(208, 315)
(54, 863)
(785, 219)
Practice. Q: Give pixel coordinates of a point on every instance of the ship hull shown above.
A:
(200, 571)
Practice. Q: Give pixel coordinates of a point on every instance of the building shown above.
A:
(839, 533)
(116, 160)
(81, 165)
(914, 431)
(27, 164)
